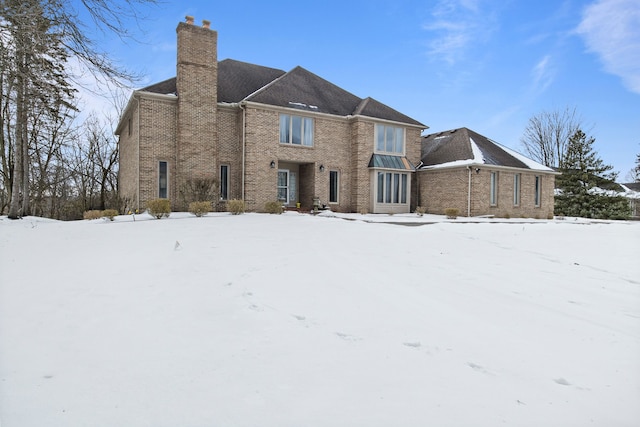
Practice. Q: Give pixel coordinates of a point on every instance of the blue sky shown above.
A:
(483, 64)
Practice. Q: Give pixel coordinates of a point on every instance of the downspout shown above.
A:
(244, 118)
(417, 169)
(138, 162)
(469, 193)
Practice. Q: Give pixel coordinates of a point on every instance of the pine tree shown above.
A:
(635, 172)
(583, 173)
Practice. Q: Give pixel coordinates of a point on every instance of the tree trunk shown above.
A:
(17, 189)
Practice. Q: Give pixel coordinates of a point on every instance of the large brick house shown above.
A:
(462, 169)
(263, 135)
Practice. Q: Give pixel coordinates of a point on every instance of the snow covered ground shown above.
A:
(296, 320)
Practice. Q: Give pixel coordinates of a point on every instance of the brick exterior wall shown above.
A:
(413, 151)
(448, 188)
(331, 149)
(197, 86)
(129, 160)
(195, 135)
(362, 137)
(230, 150)
(157, 143)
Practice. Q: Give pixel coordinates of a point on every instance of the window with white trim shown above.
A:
(224, 182)
(493, 195)
(389, 139)
(334, 183)
(516, 189)
(537, 191)
(283, 186)
(296, 130)
(163, 180)
(392, 187)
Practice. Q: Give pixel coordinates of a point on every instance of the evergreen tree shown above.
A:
(584, 175)
(635, 172)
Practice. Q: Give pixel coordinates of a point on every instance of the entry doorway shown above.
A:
(287, 186)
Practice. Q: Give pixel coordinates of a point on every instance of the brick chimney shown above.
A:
(197, 88)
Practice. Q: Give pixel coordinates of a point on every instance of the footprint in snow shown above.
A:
(347, 337)
(561, 381)
(412, 344)
(479, 368)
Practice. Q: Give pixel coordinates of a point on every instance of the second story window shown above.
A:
(389, 139)
(296, 130)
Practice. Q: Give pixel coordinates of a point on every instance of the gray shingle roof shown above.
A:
(237, 80)
(457, 145)
(298, 88)
(633, 186)
(166, 87)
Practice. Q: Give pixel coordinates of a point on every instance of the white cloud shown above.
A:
(543, 74)
(611, 29)
(456, 25)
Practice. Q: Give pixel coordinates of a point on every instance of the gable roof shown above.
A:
(632, 186)
(241, 81)
(463, 147)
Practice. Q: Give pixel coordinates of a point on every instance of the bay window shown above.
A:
(392, 187)
(389, 139)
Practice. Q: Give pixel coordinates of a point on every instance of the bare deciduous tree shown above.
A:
(547, 134)
(37, 37)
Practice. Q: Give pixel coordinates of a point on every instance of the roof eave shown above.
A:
(417, 125)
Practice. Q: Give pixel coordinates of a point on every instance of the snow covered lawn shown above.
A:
(296, 320)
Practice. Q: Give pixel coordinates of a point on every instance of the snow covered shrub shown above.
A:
(235, 206)
(273, 207)
(420, 210)
(93, 214)
(110, 213)
(200, 208)
(159, 208)
(451, 213)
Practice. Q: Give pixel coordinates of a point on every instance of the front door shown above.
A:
(283, 186)
(287, 186)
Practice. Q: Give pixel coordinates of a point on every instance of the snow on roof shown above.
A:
(531, 164)
(478, 157)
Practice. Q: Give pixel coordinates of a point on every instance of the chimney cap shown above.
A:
(189, 19)
(206, 23)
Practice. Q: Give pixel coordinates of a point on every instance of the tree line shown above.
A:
(587, 186)
(50, 165)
